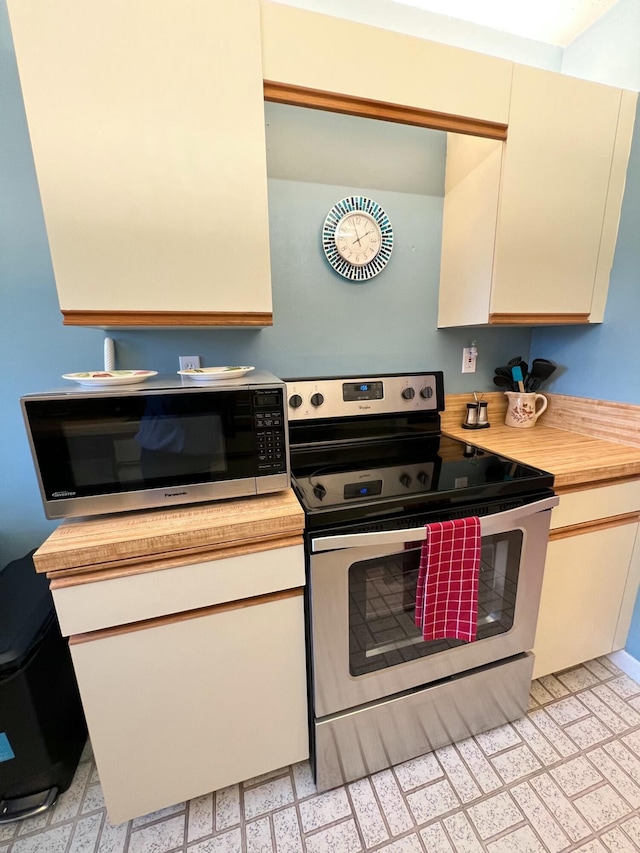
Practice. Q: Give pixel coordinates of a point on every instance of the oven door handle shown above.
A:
(489, 525)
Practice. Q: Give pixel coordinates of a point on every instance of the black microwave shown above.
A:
(165, 442)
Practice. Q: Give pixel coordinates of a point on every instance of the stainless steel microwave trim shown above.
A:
(489, 525)
(366, 740)
(335, 689)
(158, 385)
(163, 498)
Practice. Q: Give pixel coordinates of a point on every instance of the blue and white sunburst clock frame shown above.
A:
(357, 238)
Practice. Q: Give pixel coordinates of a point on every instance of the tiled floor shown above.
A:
(565, 777)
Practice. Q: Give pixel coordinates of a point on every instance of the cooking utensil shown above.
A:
(503, 382)
(541, 369)
(516, 372)
(504, 371)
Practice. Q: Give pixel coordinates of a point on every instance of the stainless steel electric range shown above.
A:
(371, 467)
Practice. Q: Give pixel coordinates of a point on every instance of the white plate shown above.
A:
(213, 374)
(110, 377)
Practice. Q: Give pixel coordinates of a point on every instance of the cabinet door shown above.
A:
(147, 128)
(585, 590)
(329, 53)
(182, 706)
(553, 195)
(470, 211)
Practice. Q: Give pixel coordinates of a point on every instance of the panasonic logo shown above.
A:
(174, 494)
(63, 494)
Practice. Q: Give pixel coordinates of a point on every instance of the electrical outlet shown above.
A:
(189, 362)
(469, 355)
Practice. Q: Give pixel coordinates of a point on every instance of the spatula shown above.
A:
(516, 372)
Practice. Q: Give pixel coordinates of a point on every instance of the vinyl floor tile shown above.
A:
(565, 778)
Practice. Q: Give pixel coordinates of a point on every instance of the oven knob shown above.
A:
(317, 399)
(423, 478)
(295, 401)
(426, 392)
(319, 491)
(405, 480)
(408, 394)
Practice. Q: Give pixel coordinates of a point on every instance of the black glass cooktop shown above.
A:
(342, 483)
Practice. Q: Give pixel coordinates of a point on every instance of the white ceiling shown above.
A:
(556, 22)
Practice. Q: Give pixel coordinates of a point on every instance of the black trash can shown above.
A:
(42, 725)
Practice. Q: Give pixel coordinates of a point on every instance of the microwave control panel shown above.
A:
(270, 427)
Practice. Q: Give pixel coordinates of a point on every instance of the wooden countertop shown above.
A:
(575, 459)
(161, 538)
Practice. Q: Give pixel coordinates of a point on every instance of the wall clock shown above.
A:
(357, 238)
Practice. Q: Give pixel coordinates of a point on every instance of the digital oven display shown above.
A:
(362, 490)
(362, 391)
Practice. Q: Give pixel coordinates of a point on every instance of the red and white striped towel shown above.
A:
(447, 591)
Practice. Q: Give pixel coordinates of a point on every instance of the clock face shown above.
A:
(357, 238)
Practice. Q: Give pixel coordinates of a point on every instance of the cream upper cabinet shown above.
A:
(147, 128)
(336, 56)
(530, 224)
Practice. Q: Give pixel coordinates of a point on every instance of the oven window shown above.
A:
(382, 597)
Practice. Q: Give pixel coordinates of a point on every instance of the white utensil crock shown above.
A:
(523, 410)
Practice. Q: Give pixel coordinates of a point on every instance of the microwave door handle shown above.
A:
(489, 525)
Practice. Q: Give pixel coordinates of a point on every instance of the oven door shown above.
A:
(365, 644)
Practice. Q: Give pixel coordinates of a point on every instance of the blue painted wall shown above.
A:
(322, 323)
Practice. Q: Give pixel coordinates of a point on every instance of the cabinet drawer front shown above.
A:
(120, 601)
(591, 504)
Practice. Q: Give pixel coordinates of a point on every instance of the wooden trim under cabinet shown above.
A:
(319, 99)
(135, 319)
(538, 319)
(159, 621)
(593, 526)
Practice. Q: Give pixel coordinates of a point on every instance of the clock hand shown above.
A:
(359, 239)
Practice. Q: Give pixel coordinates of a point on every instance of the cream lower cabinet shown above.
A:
(591, 577)
(147, 129)
(537, 215)
(181, 706)
(192, 676)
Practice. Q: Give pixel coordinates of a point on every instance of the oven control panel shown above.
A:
(336, 397)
